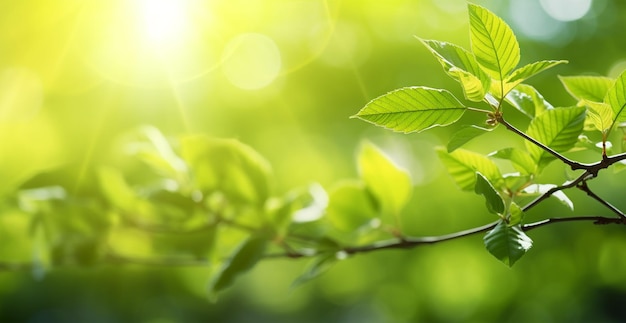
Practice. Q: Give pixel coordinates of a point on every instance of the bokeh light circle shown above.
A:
(251, 61)
(566, 10)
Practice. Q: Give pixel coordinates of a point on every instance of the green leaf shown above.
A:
(228, 166)
(557, 129)
(527, 71)
(116, 190)
(494, 202)
(600, 115)
(463, 164)
(507, 244)
(319, 266)
(413, 109)
(516, 215)
(243, 259)
(538, 189)
(493, 42)
(352, 207)
(520, 159)
(465, 134)
(590, 88)
(158, 153)
(390, 184)
(462, 66)
(528, 100)
(616, 98)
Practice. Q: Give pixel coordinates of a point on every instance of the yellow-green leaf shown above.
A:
(462, 66)
(463, 164)
(557, 129)
(413, 109)
(590, 88)
(528, 100)
(390, 184)
(493, 42)
(600, 115)
(616, 98)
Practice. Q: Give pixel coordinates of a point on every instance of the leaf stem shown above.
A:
(573, 164)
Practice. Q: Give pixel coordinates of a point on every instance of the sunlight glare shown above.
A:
(164, 20)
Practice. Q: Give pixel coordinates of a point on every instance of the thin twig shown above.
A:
(585, 188)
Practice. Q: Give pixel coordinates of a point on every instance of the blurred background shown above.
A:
(284, 76)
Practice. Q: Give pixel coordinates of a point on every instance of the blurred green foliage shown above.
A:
(78, 78)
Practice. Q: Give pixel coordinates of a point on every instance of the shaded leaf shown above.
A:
(590, 88)
(557, 129)
(507, 243)
(465, 134)
(494, 202)
(243, 259)
(462, 66)
(318, 266)
(413, 109)
(463, 164)
(493, 42)
(528, 100)
(390, 184)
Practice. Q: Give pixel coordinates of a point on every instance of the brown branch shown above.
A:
(585, 188)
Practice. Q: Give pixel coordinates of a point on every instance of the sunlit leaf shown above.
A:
(507, 243)
(527, 100)
(158, 153)
(493, 42)
(462, 66)
(465, 134)
(390, 184)
(413, 109)
(463, 164)
(590, 88)
(520, 159)
(493, 200)
(229, 166)
(242, 260)
(527, 71)
(557, 129)
(616, 98)
(516, 215)
(538, 189)
(600, 115)
(351, 206)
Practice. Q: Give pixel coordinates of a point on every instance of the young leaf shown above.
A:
(516, 215)
(390, 184)
(527, 100)
(520, 159)
(493, 42)
(244, 258)
(507, 243)
(557, 129)
(413, 109)
(600, 115)
(590, 88)
(462, 66)
(616, 98)
(494, 202)
(463, 164)
(464, 135)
